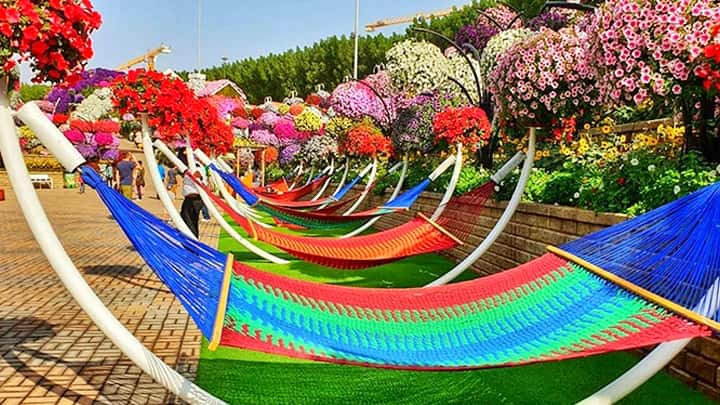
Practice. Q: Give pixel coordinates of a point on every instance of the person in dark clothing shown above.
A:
(139, 179)
(192, 202)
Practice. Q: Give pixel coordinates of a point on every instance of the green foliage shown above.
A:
(274, 172)
(301, 69)
(448, 25)
(33, 92)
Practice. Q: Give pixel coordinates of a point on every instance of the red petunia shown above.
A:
(467, 125)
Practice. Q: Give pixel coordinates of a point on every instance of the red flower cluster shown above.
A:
(54, 35)
(59, 119)
(107, 126)
(365, 139)
(257, 112)
(313, 99)
(467, 125)
(564, 130)
(710, 70)
(173, 109)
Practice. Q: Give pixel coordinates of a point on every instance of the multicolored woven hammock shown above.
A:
(298, 193)
(415, 237)
(253, 199)
(278, 186)
(323, 219)
(551, 308)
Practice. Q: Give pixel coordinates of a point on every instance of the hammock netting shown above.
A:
(296, 194)
(673, 251)
(252, 199)
(325, 220)
(412, 238)
(547, 309)
(277, 186)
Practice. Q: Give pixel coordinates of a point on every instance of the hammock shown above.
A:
(252, 199)
(551, 308)
(418, 236)
(297, 193)
(277, 186)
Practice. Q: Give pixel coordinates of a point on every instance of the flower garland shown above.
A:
(496, 47)
(467, 125)
(53, 35)
(416, 67)
(544, 79)
(366, 140)
(649, 48)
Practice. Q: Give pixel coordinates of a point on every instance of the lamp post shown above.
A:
(357, 24)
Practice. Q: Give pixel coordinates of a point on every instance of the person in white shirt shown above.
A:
(192, 203)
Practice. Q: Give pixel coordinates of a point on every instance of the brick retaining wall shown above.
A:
(535, 226)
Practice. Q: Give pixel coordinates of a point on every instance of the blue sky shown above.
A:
(235, 29)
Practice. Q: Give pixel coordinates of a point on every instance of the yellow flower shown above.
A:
(605, 129)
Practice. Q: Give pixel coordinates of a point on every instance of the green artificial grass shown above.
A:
(245, 377)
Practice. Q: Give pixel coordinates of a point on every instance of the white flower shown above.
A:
(497, 46)
(625, 157)
(634, 162)
(651, 168)
(676, 190)
(717, 169)
(416, 67)
(497, 188)
(576, 195)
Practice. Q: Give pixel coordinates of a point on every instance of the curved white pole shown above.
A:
(653, 362)
(327, 181)
(73, 280)
(158, 183)
(450, 190)
(190, 155)
(213, 211)
(394, 195)
(366, 191)
(237, 206)
(343, 179)
(312, 173)
(502, 222)
(300, 170)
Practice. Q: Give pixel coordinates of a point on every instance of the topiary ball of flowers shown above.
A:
(173, 109)
(356, 101)
(412, 131)
(53, 35)
(310, 120)
(650, 48)
(264, 137)
(366, 140)
(544, 80)
(288, 154)
(497, 46)
(416, 67)
(466, 125)
(319, 149)
(461, 71)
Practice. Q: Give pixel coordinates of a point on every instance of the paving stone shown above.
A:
(50, 352)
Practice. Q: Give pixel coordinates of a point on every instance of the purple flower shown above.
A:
(476, 35)
(110, 154)
(288, 153)
(87, 151)
(549, 19)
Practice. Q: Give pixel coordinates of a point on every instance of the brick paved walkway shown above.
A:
(50, 352)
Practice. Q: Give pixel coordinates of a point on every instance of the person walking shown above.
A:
(125, 171)
(192, 202)
(139, 179)
(171, 183)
